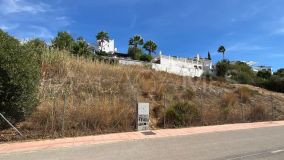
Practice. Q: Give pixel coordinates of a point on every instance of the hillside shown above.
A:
(82, 97)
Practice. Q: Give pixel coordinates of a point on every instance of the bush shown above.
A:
(146, 57)
(280, 72)
(135, 53)
(244, 94)
(275, 83)
(182, 114)
(257, 113)
(19, 70)
(222, 68)
(228, 100)
(264, 74)
(242, 73)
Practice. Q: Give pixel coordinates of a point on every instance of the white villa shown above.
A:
(108, 47)
(263, 68)
(193, 67)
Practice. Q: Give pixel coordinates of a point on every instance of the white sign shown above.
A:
(143, 117)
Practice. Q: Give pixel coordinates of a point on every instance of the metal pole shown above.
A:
(63, 119)
(164, 110)
(272, 108)
(201, 107)
(11, 124)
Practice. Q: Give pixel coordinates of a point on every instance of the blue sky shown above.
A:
(249, 29)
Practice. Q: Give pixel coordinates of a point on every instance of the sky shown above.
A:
(250, 30)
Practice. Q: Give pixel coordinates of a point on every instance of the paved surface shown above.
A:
(266, 142)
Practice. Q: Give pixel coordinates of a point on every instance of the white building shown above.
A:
(263, 68)
(193, 67)
(106, 46)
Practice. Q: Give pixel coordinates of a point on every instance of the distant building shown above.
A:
(263, 68)
(107, 46)
(193, 67)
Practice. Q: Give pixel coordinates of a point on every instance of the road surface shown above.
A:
(250, 144)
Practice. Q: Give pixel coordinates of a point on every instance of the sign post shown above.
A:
(143, 117)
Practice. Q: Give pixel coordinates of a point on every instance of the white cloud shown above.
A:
(18, 6)
(8, 27)
(26, 19)
(245, 47)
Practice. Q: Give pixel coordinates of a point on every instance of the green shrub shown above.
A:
(264, 74)
(146, 57)
(182, 114)
(275, 83)
(135, 53)
(222, 68)
(242, 73)
(280, 72)
(19, 70)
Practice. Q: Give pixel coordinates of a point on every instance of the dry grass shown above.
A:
(245, 94)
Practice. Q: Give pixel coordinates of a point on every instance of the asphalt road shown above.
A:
(252, 144)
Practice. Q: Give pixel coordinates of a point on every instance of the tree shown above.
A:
(209, 56)
(133, 51)
(264, 74)
(280, 72)
(222, 68)
(150, 46)
(82, 48)
(242, 73)
(63, 41)
(136, 41)
(37, 43)
(102, 37)
(222, 50)
(19, 70)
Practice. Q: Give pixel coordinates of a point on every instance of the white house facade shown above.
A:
(106, 46)
(193, 67)
(263, 68)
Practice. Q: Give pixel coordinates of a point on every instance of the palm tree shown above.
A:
(102, 37)
(136, 41)
(150, 46)
(222, 50)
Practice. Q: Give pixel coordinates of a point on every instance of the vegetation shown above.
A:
(222, 50)
(241, 73)
(264, 74)
(150, 46)
(82, 48)
(136, 41)
(209, 56)
(57, 94)
(146, 57)
(222, 68)
(279, 73)
(182, 114)
(63, 41)
(135, 53)
(19, 70)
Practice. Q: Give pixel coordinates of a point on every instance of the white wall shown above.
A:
(132, 62)
(182, 66)
(178, 66)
